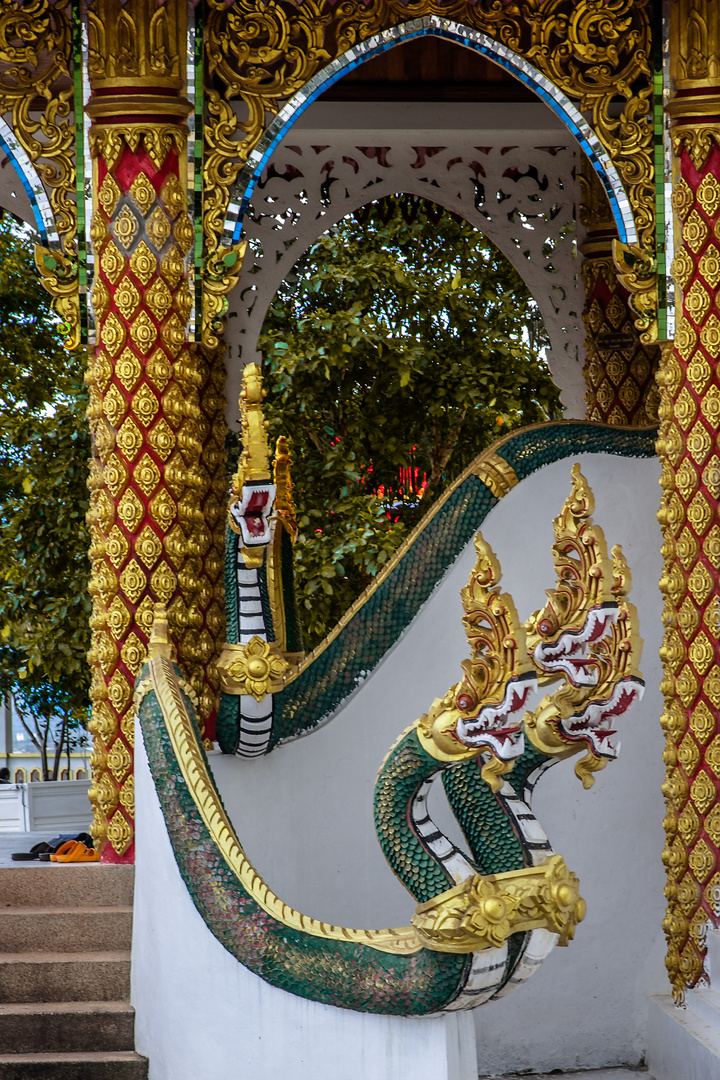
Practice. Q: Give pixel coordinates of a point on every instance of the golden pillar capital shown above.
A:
(694, 39)
(137, 44)
(137, 61)
(694, 107)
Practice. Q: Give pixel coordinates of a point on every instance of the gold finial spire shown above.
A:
(254, 463)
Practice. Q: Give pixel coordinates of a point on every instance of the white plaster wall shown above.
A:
(304, 814)
(200, 1015)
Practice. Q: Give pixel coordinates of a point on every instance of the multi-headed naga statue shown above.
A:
(486, 917)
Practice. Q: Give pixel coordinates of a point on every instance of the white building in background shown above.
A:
(19, 755)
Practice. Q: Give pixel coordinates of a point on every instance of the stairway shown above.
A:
(65, 937)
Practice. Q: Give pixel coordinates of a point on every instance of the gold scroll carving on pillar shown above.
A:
(690, 454)
(210, 597)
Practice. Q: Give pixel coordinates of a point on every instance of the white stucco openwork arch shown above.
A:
(525, 203)
(521, 196)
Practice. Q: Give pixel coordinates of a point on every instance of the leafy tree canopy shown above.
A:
(44, 447)
(399, 348)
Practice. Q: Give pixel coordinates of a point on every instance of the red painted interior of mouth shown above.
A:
(599, 631)
(253, 513)
(506, 734)
(625, 700)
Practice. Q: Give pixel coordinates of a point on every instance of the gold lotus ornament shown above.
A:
(257, 668)
(483, 911)
(490, 913)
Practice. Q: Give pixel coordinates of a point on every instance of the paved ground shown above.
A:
(10, 842)
(593, 1074)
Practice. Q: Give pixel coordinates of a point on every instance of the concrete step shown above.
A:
(66, 1026)
(85, 929)
(66, 885)
(124, 1065)
(705, 1003)
(681, 1043)
(55, 976)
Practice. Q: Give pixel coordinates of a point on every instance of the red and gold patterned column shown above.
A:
(690, 455)
(619, 369)
(147, 527)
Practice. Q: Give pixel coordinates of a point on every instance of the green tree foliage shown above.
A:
(44, 569)
(400, 342)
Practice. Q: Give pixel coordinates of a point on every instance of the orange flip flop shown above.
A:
(78, 854)
(65, 849)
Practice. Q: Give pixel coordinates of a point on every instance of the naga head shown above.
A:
(483, 712)
(583, 717)
(581, 609)
(253, 492)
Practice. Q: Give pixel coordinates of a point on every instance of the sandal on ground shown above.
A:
(45, 850)
(57, 843)
(77, 853)
(64, 850)
(34, 853)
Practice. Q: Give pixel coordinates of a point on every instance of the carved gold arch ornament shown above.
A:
(37, 102)
(268, 59)
(261, 55)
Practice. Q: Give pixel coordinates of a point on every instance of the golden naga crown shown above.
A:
(254, 463)
(586, 635)
(581, 606)
(252, 496)
(483, 711)
(492, 627)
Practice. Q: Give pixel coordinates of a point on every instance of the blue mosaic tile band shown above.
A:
(31, 182)
(432, 26)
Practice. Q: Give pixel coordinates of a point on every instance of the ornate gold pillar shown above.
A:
(211, 540)
(689, 450)
(147, 528)
(619, 369)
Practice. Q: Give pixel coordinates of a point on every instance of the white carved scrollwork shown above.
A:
(521, 196)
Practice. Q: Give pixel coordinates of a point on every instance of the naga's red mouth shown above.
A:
(593, 724)
(567, 655)
(252, 513)
(498, 726)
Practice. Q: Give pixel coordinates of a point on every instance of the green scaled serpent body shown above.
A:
(471, 736)
(342, 973)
